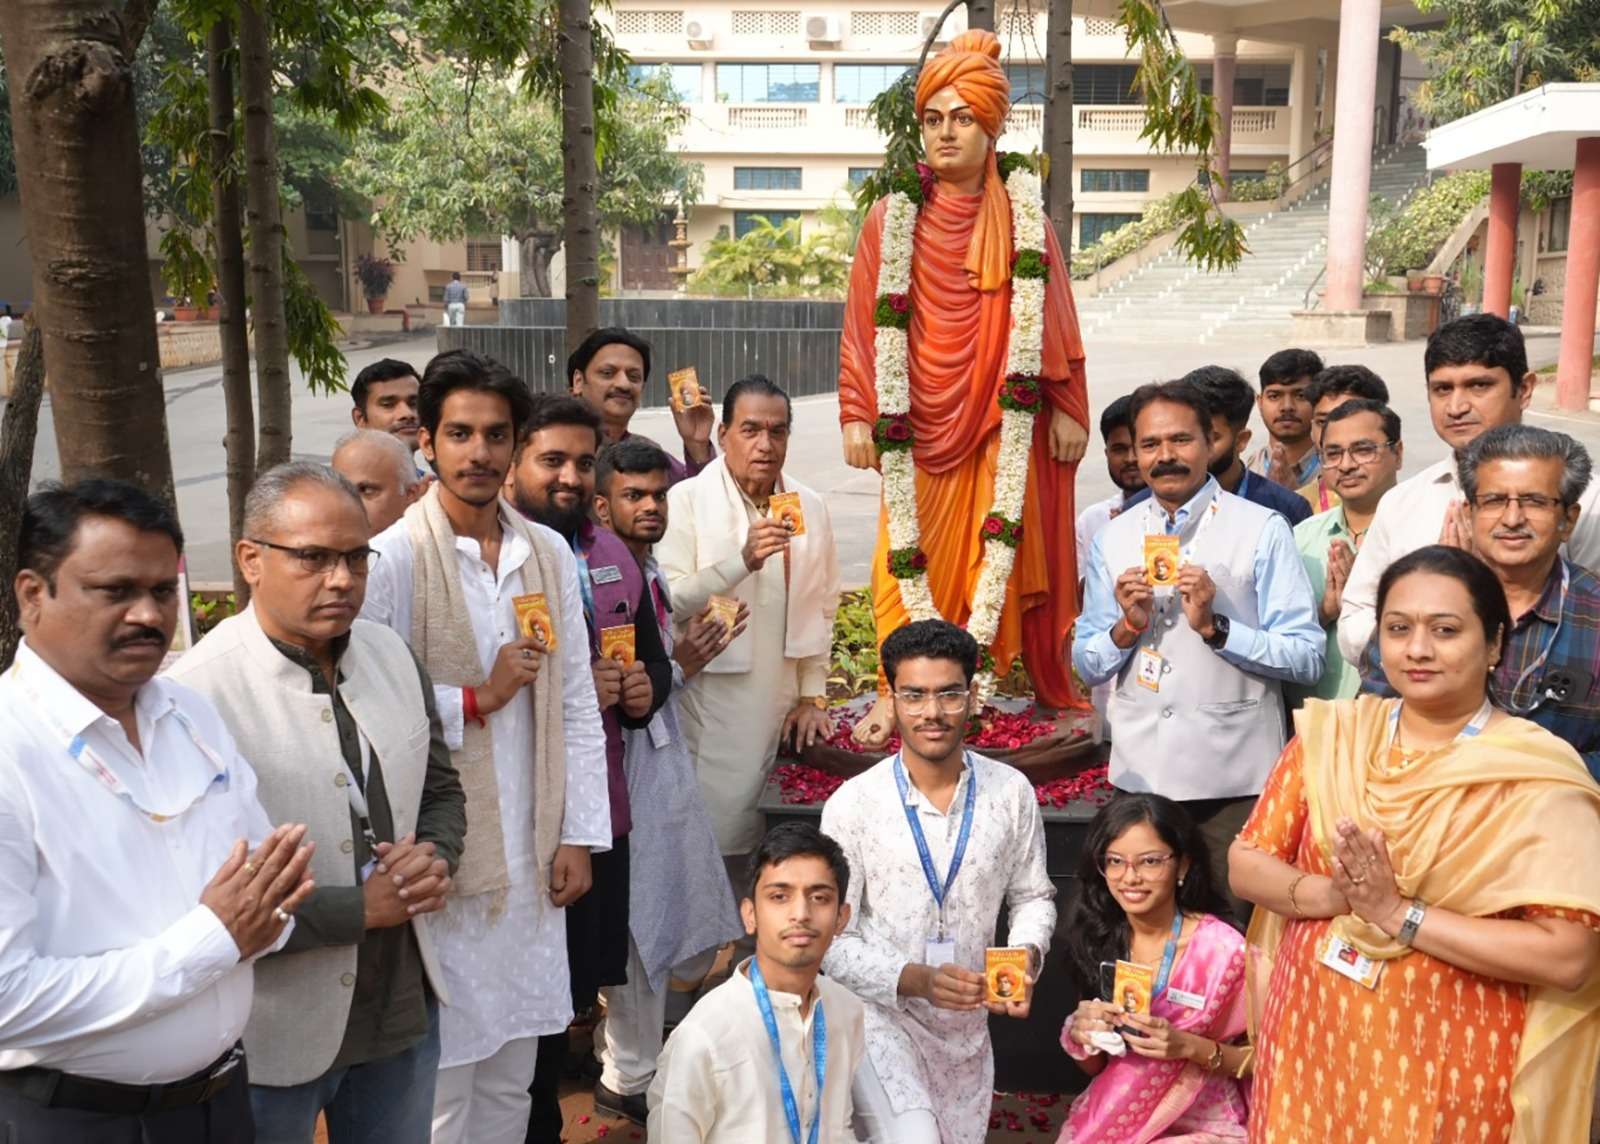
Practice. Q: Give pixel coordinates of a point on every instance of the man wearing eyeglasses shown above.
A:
(1361, 455)
(340, 723)
(941, 838)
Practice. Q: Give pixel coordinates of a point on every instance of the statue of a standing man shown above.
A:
(982, 331)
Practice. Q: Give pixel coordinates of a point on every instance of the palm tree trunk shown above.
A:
(263, 216)
(78, 170)
(580, 173)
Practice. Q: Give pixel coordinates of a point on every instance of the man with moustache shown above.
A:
(1330, 389)
(769, 1055)
(1198, 669)
(927, 897)
(380, 467)
(385, 397)
(609, 370)
(344, 735)
(523, 726)
(681, 908)
(1361, 457)
(771, 682)
(1289, 455)
(131, 911)
(552, 482)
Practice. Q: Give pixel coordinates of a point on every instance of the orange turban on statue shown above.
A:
(971, 64)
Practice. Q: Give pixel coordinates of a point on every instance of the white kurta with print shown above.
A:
(507, 976)
(936, 1059)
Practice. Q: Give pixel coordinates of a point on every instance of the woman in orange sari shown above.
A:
(1428, 872)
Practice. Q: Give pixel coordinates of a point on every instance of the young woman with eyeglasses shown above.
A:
(1146, 896)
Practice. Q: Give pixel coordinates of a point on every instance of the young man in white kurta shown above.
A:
(930, 1071)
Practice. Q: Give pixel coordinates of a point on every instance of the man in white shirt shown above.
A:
(131, 909)
(523, 724)
(769, 1055)
(927, 895)
(381, 468)
(1478, 379)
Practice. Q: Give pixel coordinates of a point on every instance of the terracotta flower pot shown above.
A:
(376, 305)
(1414, 280)
(1433, 283)
(185, 313)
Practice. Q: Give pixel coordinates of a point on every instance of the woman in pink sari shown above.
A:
(1147, 898)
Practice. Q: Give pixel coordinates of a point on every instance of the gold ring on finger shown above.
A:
(281, 914)
(250, 868)
(527, 653)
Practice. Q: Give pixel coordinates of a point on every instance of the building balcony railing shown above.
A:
(767, 116)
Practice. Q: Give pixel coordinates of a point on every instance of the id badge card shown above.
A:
(938, 951)
(1151, 664)
(1195, 1001)
(1347, 961)
(367, 868)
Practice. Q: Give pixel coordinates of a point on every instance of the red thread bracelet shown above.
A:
(469, 706)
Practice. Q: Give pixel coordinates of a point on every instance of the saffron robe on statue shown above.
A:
(958, 346)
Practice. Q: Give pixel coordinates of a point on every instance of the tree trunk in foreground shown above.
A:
(1058, 124)
(263, 215)
(580, 175)
(17, 432)
(81, 184)
(227, 227)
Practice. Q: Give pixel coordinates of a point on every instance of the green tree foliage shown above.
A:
(1483, 51)
(1408, 238)
(504, 175)
(770, 261)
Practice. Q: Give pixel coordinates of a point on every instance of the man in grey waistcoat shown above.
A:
(1196, 665)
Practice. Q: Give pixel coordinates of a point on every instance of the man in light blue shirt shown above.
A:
(1197, 661)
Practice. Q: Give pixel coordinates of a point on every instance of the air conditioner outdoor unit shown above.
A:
(822, 29)
(954, 24)
(699, 35)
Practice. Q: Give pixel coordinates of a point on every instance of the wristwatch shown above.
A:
(1414, 915)
(820, 702)
(1219, 633)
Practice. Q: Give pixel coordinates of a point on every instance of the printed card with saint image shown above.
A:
(1132, 988)
(685, 387)
(785, 509)
(533, 618)
(725, 609)
(1005, 970)
(617, 643)
(1161, 557)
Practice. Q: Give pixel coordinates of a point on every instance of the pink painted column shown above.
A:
(1224, 65)
(1500, 251)
(1582, 290)
(1352, 153)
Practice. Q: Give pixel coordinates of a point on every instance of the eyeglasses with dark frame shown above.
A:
(1531, 504)
(1362, 452)
(950, 700)
(321, 561)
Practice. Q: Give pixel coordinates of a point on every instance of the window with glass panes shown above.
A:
(1113, 180)
(862, 83)
(685, 78)
(766, 178)
(1093, 227)
(1254, 85)
(745, 221)
(768, 83)
(859, 175)
(1104, 84)
(1027, 82)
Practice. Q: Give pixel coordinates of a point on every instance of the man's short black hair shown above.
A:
(1287, 366)
(1356, 380)
(797, 839)
(1478, 339)
(384, 369)
(462, 369)
(1226, 391)
(1116, 416)
(756, 385)
(1180, 392)
(630, 455)
(558, 409)
(1356, 405)
(578, 360)
(929, 639)
(53, 512)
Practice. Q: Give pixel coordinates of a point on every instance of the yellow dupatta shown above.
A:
(1483, 825)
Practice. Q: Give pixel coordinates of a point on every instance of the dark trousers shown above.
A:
(224, 1119)
(1220, 820)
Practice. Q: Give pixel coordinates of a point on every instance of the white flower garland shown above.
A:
(1020, 404)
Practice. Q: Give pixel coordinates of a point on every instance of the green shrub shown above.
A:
(1408, 239)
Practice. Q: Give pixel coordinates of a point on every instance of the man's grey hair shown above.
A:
(1528, 443)
(267, 494)
(389, 443)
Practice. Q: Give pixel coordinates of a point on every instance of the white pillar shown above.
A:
(1352, 153)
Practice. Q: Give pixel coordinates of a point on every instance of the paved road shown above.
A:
(195, 423)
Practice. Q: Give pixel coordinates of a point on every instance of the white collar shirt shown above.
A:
(110, 967)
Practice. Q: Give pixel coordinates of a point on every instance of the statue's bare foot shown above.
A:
(876, 725)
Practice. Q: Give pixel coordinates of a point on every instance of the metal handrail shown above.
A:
(1311, 157)
(1305, 303)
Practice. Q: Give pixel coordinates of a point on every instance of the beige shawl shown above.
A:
(441, 636)
(1483, 825)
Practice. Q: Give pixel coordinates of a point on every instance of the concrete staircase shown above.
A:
(1169, 298)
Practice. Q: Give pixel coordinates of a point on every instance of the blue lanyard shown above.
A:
(1169, 955)
(585, 589)
(819, 1055)
(1474, 725)
(940, 892)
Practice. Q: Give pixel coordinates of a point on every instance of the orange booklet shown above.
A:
(1006, 971)
(684, 385)
(533, 618)
(785, 508)
(1134, 984)
(726, 609)
(1161, 557)
(617, 643)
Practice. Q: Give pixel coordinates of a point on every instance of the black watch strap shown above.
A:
(1219, 632)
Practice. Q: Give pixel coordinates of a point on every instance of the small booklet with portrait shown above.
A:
(533, 618)
(1161, 557)
(785, 509)
(724, 609)
(1005, 970)
(685, 387)
(1131, 990)
(617, 643)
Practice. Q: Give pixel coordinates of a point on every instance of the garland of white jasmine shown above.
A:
(1021, 399)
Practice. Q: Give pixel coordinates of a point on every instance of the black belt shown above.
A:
(53, 1088)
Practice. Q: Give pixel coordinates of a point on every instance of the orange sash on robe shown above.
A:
(959, 338)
